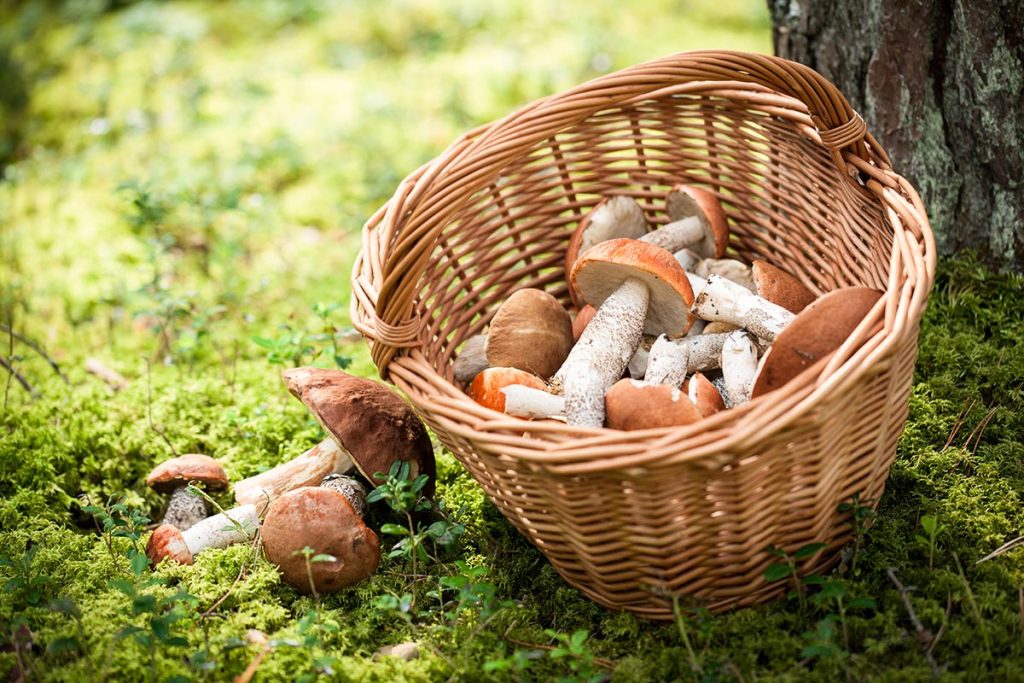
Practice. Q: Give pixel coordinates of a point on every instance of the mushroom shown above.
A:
(780, 287)
(704, 395)
(350, 487)
(637, 365)
(703, 352)
(635, 287)
(533, 403)
(718, 327)
(369, 427)
(696, 221)
(612, 218)
(472, 359)
(530, 331)
(324, 520)
(730, 269)
(486, 387)
(739, 367)
(173, 476)
(219, 531)
(820, 329)
(667, 363)
(631, 405)
(726, 301)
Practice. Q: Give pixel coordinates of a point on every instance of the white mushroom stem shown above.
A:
(601, 355)
(472, 359)
(309, 469)
(697, 282)
(739, 367)
(234, 526)
(638, 363)
(704, 352)
(729, 302)
(676, 235)
(535, 404)
(667, 363)
(730, 269)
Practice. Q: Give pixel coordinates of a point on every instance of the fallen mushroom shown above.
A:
(369, 427)
(630, 405)
(531, 332)
(325, 521)
(486, 388)
(219, 531)
(173, 476)
(472, 359)
(635, 287)
(612, 218)
(781, 288)
(726, 301)
(739, 367)
(696, 221)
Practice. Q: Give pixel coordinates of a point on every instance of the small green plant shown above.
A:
(573, 649)
(932, 528)
(29, 586)
(821, 643)
(161, 616)
(399, 606)
(516, 663)
(72, 643)
(862, 517)
(473, 593)
(293, 345)
(833, 593)
(699, 618)
(787, 569)
(116, 519)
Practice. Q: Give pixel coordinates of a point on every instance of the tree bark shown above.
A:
(941, 85)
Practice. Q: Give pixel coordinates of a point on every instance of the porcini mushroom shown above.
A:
(532, 403)
(780, 287)
(325, 521)
(635, 287)
(704, 395)
(667, 363)
(486, 387)
(530, 331)
(729, 268)
(612, 218)
(638, 405)
(173, 476)
(696, 221)
(350, 487)
(219, 531)
(369, 427)
(726, 301)
(739, 367)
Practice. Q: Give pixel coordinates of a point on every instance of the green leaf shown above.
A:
(394, 530)
(63, 644)
(862, 603)
(809, 550)
(323, 557)
(777, 571)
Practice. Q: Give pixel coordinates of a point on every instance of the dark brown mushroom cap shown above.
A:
(603, 268)
(631, 404)
(325, 521)
(684, 201)
(167, 543)
(820, 329)
(368, 420)
(530, 331)
(781, 288)
(193, 467)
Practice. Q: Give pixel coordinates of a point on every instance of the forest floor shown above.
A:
(184, 205)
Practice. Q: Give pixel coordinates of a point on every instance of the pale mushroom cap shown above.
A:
(820, 329)
(582, 319)
(530, 331)
(167, 543)
(602, 269)
(630, 404)
(611, 218)
(368, 420)
(684, 201)
(486, 387)
(193, 467)
(704, 395)
(780, 287)
(325, 521)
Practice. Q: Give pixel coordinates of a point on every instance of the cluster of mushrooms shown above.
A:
(667, 330)
(316, 501)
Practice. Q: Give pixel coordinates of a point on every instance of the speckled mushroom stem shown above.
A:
(234, 526)
(726, 301)
(704, 352)
(308, 469)
(667, 363)
(601, 355)
(535, 404)
(350, 487)
(739, 367)
(676, 235)
(184, 509)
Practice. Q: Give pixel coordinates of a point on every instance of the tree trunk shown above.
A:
(941, 85)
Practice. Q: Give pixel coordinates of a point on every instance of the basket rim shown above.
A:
(579, 450)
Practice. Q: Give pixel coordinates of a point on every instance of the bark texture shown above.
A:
(941, 84)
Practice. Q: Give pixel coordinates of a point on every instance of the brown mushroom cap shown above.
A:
(486, 387)
(530, 331)
(603, 268)
(368, 420)
(780, 287)
(193, 467)
(612, 217)
(820, 329)
(582, 319)
(167, 543)
(630, 404)
(703, 394)
(325, 521)
(684, 201)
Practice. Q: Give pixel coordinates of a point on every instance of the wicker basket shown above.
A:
(630, 517)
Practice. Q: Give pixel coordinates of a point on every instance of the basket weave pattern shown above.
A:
(628, 517)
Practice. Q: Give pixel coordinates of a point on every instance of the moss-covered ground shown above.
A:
(185, 178)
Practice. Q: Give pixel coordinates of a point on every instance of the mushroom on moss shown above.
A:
(219, 531)
(173, 476)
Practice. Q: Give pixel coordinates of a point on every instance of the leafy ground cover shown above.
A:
(182, 201)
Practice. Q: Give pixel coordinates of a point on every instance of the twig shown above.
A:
(112, 378)
(945, 622)
(149, 409)
(6, 364)
(600, 661)
(1004, 548)
(250, 670)
(37, 348)
(957, 424)
(924, 636)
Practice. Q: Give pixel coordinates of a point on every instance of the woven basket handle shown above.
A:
(399, 239)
